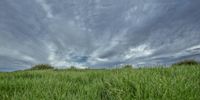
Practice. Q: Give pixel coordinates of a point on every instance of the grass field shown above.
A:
(176, 83)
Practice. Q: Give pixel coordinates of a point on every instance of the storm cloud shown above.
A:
(98, 33)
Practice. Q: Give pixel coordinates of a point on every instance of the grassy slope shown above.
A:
(178, 83)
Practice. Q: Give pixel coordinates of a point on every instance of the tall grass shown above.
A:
(175, 83)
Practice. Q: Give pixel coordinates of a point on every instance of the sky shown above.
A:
(98, 33)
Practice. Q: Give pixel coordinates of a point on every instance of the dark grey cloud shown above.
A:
(97, 33)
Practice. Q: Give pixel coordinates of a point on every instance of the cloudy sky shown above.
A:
(97, 33)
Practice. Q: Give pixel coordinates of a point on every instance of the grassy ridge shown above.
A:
(176, 83)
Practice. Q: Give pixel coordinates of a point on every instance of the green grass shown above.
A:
(175, 83)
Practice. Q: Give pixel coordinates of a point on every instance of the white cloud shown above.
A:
(46, 7)
(139, 51)
(102, 60)
(193, 48)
